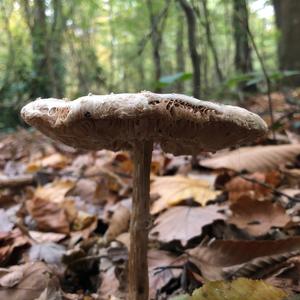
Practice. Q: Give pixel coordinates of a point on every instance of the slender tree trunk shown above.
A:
(180, 51)
(192, 40)
(156, 40)
(210, 41)
(41, 84)
(112, 47)
(287, 16)
(46, 41)
(56, 66)
(240, 23)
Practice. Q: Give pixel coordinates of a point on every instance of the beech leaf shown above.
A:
(184, 223)
(253, 159)
(174, 189)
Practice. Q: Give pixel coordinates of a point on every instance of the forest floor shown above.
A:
(64, 215)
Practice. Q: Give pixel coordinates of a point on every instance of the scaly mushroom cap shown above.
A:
(181, 124)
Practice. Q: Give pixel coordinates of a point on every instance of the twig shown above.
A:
(158, 270)
(265, 73)
(267, 186)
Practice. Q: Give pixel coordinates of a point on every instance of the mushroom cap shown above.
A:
(181, 124)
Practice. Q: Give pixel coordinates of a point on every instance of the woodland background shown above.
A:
(64, 213)
(212, 49)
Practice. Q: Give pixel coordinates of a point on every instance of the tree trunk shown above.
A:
(287, 16)
(210, 41)
(156, 39)
(56, 66)
(240, 22)
(180, 51)
(46, 42)
(192, 39)
(41, 83)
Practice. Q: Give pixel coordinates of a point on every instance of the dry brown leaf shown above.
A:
(254, 159)
(86, 189)
(119, 222)
(9, 242)
(287, 275)
(56, 161)
(26, 281)
(83, 220)
(54, 191)
(215, 259)
(183, 223)
(238, 186)
(241, 288)
(258, 217)
(49, 216)
(175, 189)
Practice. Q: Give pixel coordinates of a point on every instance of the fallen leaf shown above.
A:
(86, 189)
(49, 216)
(119, 222)
(10, 242)
(50, 253)
(219, 257)
(55, 191)
(183, 223)
(175, 189)
(55, 160)
(238, 186)
(254, 159)
(109, 284)
(258, 217)
(241, 288)
(46, 237)
(160, 278)
(26, 281)
(6, 224)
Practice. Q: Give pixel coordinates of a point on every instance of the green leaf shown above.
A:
(170, 79)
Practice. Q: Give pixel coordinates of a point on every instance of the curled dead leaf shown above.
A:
(254, 159)
(219, 257)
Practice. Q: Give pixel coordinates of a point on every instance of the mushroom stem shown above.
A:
(140, 220)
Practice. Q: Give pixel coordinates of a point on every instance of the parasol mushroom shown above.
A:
(181, 124)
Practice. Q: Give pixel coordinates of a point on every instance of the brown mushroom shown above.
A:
(181, 124)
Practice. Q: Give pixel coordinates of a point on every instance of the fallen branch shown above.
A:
(16, 181)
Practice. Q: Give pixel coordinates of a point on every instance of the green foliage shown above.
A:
(258, 78)
(105, 46)
(169, 80)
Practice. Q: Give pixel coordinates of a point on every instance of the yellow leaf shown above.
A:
(55, 191)
(174, 189)
(238, 289)
(56, 160)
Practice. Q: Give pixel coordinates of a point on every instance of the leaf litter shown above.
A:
(65, 214)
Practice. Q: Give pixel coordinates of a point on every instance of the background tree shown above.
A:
(46, 39)
(287, 13)
(69, 49)
(192, 42)
(240, 24)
